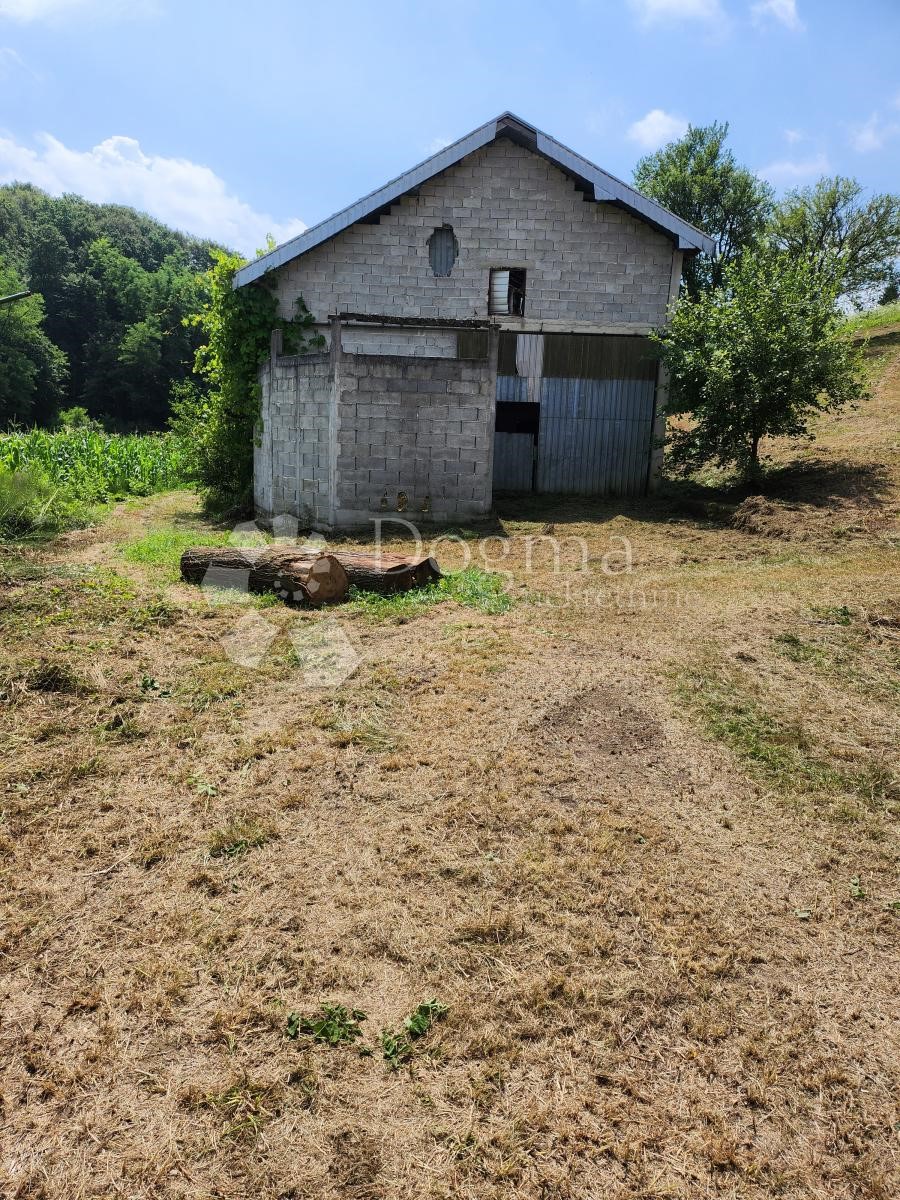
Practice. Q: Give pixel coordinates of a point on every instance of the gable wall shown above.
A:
(508, 207)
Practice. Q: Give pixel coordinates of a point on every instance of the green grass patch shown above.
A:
(239, 836)
(794, 648)
(154, 613)
(831, 614)
(351, 726)
(848, 647)
(397, 1044)
(246, 1107)
(779, 750)
(875, 318)
(83, 597)
(335, 1025)
(33, 508)
(162, 548)
(472, 587)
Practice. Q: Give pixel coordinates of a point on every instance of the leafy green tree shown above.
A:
(141, 344)
(217, 414)
(75, 418)
(117, 286)
(124, 283)
(757, 357)
(32, 369)
(699, 179)
(890, 295)
(850, 241)
(49, 263)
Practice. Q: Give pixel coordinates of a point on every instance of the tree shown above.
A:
(757, 357)
(890, 295)
(217, 414)
(116, 287)
(140, 345)
(698, 179)
(32, 369)
(845, 239)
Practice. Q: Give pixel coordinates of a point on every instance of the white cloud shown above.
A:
(873, 134)
(10, 62)
(437, 143)
(182, 193)
(791, 171)
(793, 136)
(657, 128)
(51, 10)
(784, 11)
(652, 12)
(13, 65)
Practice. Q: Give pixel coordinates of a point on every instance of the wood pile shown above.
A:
(306, 576)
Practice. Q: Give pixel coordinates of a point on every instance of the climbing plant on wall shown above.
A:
(217, 412)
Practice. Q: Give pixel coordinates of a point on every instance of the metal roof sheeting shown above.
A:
(607, 189)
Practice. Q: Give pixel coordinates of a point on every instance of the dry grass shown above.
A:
(638, 832)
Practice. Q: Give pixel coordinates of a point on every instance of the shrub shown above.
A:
(76, 417)
(32, 506)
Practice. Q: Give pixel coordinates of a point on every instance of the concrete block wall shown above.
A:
(508, 207)
(415, 438)
(346, 438)
(417, 343)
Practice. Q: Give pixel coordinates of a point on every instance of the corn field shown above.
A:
(92, 465)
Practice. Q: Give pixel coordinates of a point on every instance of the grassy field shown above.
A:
(50, 479)
(634, 830)
(884, 317)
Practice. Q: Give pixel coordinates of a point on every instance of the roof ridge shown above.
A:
(616, 190)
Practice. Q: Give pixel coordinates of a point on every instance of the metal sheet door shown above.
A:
(597, 406)
(513, 462)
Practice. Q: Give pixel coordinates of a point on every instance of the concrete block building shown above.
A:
(486, 319)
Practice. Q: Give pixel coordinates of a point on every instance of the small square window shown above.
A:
(506, 294)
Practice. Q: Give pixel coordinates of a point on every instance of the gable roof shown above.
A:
(604, 187)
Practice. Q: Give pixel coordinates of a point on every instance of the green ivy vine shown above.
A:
(218, 412)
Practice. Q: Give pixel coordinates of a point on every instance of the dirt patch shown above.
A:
(763, 517)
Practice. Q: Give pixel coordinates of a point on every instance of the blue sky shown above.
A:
(233, 119)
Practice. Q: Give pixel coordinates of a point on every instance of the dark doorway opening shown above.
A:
(515, 445)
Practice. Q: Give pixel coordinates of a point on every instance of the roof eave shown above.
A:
(606, 188)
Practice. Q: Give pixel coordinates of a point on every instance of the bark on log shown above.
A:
(387, 573)
(287, 568)
(298, 577)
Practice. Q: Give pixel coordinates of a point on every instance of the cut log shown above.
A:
(297, 576)
(384, 573)
(289, 569)
(387, 573)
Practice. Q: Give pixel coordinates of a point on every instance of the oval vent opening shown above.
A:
(443, 250)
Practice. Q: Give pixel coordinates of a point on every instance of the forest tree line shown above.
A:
(104, 328)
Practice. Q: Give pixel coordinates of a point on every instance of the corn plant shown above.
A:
(93, 465)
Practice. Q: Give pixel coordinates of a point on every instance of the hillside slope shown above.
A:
(638, 832)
